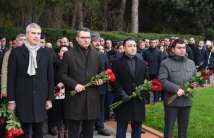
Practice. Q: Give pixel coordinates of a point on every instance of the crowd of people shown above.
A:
(37, 76)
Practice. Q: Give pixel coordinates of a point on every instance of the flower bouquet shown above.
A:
(206, 73)
(147, 86)
(13, 126)
(188, 86)
(105, 76)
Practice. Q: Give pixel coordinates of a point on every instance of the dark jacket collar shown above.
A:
(177, 58)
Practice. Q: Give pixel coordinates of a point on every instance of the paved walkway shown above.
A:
(111, 125)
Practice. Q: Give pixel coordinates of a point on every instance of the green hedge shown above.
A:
(52, 34)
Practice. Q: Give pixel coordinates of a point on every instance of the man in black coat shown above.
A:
(152, 56)
(196, 56)
(78, 66)
(130, 72)
(30, 82)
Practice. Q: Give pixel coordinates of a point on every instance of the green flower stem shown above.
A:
(73, 92)
(116, 104)
(172, 99)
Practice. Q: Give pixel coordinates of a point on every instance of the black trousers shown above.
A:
(182, 114)
(99, 122)
(80, 128)
(33, 130)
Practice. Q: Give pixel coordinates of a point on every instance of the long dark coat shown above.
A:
(30, 92)
(134, 109)
(153, 57)
(78, 67)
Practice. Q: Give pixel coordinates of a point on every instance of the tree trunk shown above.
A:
(134, 17)
(77, 19)
(121, 15)
(74, 17)
(105, 14)
(80, 14)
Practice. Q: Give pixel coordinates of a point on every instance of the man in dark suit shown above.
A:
(174, 72)
(130, 72)
(78, 66)
(30, 82)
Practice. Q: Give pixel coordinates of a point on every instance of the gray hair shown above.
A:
(83, 29)
(32, 25)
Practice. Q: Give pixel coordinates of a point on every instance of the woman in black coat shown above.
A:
(56, 114)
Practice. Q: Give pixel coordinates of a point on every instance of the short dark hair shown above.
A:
(177, 41)
(84, 29)
(128, 39)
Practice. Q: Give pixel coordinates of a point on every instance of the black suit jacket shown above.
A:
(30, 92)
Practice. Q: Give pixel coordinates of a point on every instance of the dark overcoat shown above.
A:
(153, 57)
(78, 66)
(133, 110)
(30, 92)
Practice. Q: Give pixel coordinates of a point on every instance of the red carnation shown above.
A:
(19, 132)
(112, 77)
(104, 75)
(206, 77)
(109, 71)
(9, 134)
(156, 86)
(203, 72)
(210, 72)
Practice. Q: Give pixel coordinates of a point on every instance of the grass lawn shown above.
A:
(201, 120)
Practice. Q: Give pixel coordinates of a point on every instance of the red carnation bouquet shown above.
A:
(9, 119)
(147, 86)
(188, 86)
(107, 75)
(206, 73)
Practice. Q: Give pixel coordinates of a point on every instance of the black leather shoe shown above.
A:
(53, 131)
(103, 132)
(142, 131)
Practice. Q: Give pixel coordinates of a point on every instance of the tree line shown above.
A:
(160, 16)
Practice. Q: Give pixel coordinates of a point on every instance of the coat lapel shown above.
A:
(38, 57)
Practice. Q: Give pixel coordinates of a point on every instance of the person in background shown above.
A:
(108, 45)
(152, 57)
(204, 55)
(56, 122)
(19, 41)
(102, 41)
(99, 122)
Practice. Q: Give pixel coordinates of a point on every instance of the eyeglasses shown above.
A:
(84, 37)
(131, 45)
